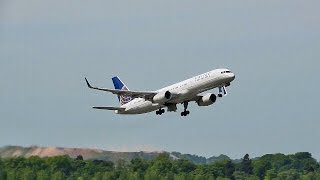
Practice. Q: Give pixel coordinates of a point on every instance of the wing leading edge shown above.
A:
(110, 108)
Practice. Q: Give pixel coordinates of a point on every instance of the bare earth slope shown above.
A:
(16, 151)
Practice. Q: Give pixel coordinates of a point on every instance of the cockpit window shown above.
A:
(223, 72)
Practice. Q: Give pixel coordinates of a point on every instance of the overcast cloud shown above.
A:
(273, 47)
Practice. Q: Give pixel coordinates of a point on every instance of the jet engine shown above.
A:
(207, 100)
(162, 97)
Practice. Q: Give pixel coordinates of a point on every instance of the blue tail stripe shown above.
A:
(117, 83)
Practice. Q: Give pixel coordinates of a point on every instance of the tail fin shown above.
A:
(118, 84)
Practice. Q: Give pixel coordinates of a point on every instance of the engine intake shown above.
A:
(207, 100)
(162, 97)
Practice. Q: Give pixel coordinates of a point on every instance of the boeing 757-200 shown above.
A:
(139, 102)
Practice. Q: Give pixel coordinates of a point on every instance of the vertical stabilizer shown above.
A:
(118, 84)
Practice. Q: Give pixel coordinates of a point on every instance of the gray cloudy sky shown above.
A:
(48, 47)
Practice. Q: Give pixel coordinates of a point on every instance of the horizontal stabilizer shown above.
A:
(110, 108)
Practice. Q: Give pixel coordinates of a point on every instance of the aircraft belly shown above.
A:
(184, 97)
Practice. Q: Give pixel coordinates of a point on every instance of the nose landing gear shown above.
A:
(222, 91)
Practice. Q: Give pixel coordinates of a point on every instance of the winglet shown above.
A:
(88, 84)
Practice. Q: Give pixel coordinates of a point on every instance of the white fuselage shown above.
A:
(186, 90)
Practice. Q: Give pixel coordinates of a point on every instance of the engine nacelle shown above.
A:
(162, 97)
(207, 100)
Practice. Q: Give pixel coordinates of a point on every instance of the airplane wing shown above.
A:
(110, 108)
(134, 94)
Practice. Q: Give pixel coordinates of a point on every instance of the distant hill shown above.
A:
(16, 151)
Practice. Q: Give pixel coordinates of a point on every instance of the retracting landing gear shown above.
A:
(185, 112)
(160, 111)
(222, 91)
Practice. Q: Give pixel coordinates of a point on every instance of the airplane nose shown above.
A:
(233, 77)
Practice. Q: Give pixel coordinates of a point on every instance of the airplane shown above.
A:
(140, 102)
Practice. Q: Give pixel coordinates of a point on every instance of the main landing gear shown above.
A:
(185, 112)
(160, 111)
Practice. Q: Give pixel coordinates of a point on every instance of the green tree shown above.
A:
(278, 162)
(183, 166)
(162, 164)
(58, 176)
(11, 175)
(229, 169)
(60, 163)
(28, 174)
(120, 164)
(15, 163)
(36, 163)
(135, 176)
(3, 174)
(270, 174)
(79, 158)
(102, 166)
(238, 175)
(246, 165)
(151, 175)
(123, 174)
(186, 176)
(311, 176)
(260, 167)
(302, 155)
(43, 175)
(271, 166)
(97, 176)
(201, 177)
(109, 176)
(139, 165)
(291, 174)
(223, 168)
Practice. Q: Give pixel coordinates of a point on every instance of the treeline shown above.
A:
(273, 166)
